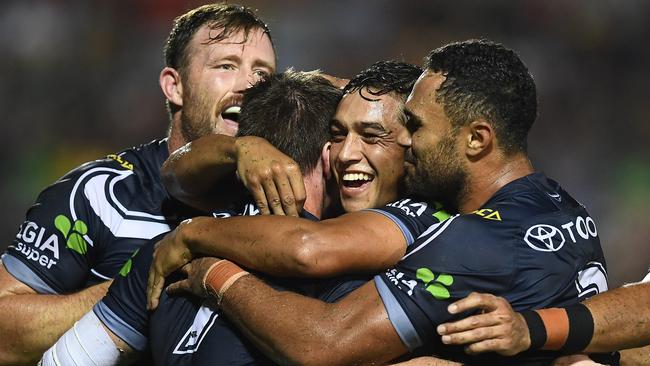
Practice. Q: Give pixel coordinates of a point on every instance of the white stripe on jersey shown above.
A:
(436, 229)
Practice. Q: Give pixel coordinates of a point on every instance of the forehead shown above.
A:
(422, 100)
(256, 42)
(384, 109)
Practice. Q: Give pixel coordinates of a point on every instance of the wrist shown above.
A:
(220, 277)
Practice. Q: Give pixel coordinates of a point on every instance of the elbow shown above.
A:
(311, 256)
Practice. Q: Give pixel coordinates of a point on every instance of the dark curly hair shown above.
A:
(292, 111)
(385, 77)
(486, 80)
(231, 17)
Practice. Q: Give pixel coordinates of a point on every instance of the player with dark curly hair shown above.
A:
(517, 233)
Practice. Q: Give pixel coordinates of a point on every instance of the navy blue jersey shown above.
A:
(185, 330)
(531, 243)
(84, 227)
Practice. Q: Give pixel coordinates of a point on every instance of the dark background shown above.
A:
(79, 80)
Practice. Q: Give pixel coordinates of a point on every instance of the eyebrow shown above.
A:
(237, 59)
(373, 125)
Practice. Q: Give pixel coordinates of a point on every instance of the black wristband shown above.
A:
(581, 329)
(536, 329)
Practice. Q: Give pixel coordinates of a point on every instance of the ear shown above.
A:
(325, 159)
(479, 138)
(171, 85)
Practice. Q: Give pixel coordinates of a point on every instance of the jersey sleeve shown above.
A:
(84, 227)
(413, 217)
(53, 248)
(464, 258)
(124, 308)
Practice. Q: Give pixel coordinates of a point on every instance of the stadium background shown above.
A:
(79, 80)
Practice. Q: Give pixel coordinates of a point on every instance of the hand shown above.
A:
(575, 360)
(170, 254)
(427, 361)
(195, 271)
(274, 179)
(498, 329)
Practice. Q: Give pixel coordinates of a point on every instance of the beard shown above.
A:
(439, 175)
(196, 119)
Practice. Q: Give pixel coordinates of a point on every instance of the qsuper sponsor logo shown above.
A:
(37, 245)
(551, 238)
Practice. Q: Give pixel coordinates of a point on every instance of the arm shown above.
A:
(362, 241)
(621, 319)
(35, 321)
(89, 342)
(197, 172)
(293, 329)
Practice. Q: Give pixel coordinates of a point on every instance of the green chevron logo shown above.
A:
(436, 286)
(73, 233)
(126, 268)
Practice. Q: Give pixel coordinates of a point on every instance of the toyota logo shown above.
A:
(544, 238)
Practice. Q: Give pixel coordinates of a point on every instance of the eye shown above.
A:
(261, 74)
(370, 138)
(337, 135)
(412, 123)
(225, 66)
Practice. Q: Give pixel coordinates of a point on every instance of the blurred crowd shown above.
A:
(79, 80)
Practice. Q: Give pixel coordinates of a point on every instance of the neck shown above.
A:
(315, 191)
(175, 137)
(487, 178)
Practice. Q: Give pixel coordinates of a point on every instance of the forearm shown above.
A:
(35, 322)
(293, 329)
(273, 247)
(193, 172)
(288, 246)
(621, 318)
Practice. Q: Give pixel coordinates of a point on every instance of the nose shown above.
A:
(351, 150)
(245, 79)
(404, 139)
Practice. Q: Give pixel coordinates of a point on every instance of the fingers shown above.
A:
(469, 323)
(477, 301)
(155, 283)
(272, 196)
(285, 191)
(179, 287)
(297, 187)
(500, 346)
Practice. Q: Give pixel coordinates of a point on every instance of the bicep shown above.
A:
(365, 334)
(360, 242)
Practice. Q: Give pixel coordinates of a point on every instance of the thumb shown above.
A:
(178, 288)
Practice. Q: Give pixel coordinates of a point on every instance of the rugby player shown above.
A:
(517, 234)
(367, 156)
(615, 320)
(290, 110)
(84, 227)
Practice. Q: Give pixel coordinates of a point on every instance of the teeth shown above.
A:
(234, 109)
(356, 176)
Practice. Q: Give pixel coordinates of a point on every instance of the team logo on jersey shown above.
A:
(592, 280)
(488, 214)
(203, 321)
(98, 187)
(549, 238)
(126, 268)
(73, 233)
(436, 286)
(36, 245)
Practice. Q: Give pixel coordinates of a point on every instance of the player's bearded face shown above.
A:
(216, 75)
(437, 172)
